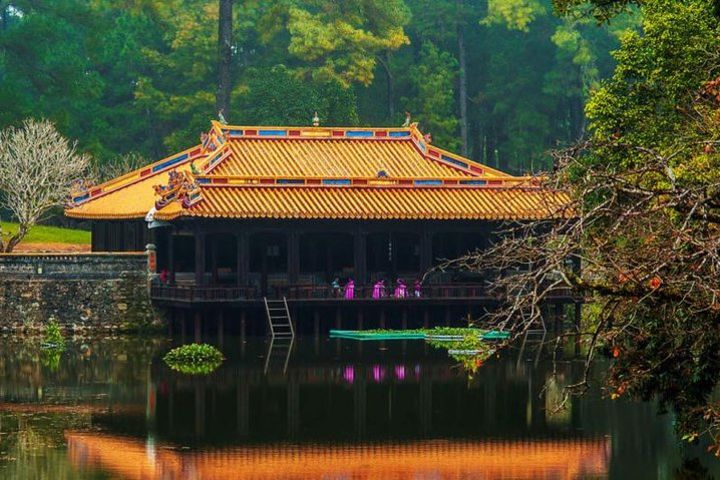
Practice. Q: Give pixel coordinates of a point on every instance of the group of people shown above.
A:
(380, 289)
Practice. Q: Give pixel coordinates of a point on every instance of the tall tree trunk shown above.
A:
(390, 87)
(23, 230)
(463, 78)
(222, 99)
(577, 118)
(384, 61)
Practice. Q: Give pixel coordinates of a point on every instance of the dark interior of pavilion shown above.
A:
(323, 257)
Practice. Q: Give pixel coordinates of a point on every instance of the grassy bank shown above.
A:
(45, 234)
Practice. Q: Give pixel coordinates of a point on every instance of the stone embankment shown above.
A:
(91, 291)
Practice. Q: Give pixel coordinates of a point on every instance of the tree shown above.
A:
(433, 78)
(177, 86)
(602, 10)
(462, 77)
(37, 167)
(106, 171)
(142, 76)
(341, 41)
(276, 96)
(516, 14)
(448, 25)
(642, 216)
(45, 60)
(225, 38)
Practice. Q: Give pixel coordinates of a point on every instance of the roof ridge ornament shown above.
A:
(181, 186)
(79, 191)
(316, 120)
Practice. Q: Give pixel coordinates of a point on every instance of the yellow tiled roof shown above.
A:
(131, 195)
(328, 158)
(348, 173)
(399, 203)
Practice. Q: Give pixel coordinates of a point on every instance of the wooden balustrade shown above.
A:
(191, 293)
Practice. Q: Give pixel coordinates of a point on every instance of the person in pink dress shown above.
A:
(350, 290)
(378, 289)
(400, 289)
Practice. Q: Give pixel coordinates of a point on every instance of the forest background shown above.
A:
(503, 81)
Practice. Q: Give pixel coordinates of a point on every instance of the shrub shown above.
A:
(53, 345)
(194, 359)
(53, 338)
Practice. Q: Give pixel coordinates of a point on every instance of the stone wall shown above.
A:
(107, 291)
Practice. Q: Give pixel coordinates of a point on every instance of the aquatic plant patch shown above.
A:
(472, 348)
(194, 359)
(469, 346)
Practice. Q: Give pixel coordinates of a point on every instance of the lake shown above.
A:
(319, 408)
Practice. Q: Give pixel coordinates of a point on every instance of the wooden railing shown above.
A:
(364, 292)
(190, 293)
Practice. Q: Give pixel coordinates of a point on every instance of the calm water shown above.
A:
(109, 408)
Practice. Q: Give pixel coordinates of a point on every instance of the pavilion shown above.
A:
(285, 210)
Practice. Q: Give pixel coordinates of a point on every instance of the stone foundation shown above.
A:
(82, 292)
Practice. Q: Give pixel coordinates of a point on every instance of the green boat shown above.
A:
(412, 335)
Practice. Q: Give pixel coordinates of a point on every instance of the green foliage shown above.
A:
(516, 14)
(658, 71)
(53, 345)
(53, 337)
(139, 77)
(176, 86)
(276, 96)
(469, 349)
(433, 79)
(194, 359)
(602, 10)
(655, 129)
(340, 40)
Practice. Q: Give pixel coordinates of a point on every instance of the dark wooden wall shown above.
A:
(120, 235)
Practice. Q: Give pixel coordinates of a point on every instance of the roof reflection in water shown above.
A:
(517, 459)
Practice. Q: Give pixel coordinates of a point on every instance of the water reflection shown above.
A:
(494, 459)
(316, 409)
